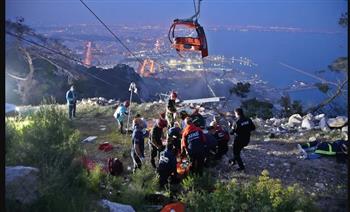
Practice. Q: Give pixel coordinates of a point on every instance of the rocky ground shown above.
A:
(273, 147)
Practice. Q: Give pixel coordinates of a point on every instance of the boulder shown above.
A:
(337, 122)
(309, 116)
(21, 184)
(258, 122)
(311, 139)
(294, 120)
(323, 125)
(307, 123)
(344, 129)
(320, 116)
(116, 207)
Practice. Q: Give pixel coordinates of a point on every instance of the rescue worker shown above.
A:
(337, 148)
(120, 115)
(174, 137)
(140, 121)
(138, 146)
(156, 137)
(222, 137)
(167, 165)
(183, 115)
(192, 144)
(241, 129)
(71, 97)
(211, 145)
(171, 109)
(197, 119)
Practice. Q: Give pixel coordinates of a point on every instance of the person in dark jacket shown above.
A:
(167, 165)
(192, 143)
(241, 129)
(171, 109)
(211, 145)
(338, 148)
(71, 97)
(156, 137)
(137, 151)
(222, 137)
(197, 119)
(174, 137)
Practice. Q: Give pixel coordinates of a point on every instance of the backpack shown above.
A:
(115, 166)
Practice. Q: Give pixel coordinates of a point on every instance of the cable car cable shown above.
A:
(59, 53)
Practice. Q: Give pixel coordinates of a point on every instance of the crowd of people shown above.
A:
(178, 135)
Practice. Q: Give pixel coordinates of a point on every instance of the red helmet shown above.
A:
(126, 103)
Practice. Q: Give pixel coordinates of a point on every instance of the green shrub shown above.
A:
(241, 89)
(195, 182)
(257, 108)
(46, 140)
(261, 194)
(143, 182)
(290, 107)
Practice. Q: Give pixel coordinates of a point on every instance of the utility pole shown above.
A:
(132, 89)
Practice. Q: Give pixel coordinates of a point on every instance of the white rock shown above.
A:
(258, 122)
(307, 123)
(323, 125)
(320, 116)
(294, 120)
(21, 184)
(309, 116)
(89, 139)
(116, 207)
(312, 139)
(344, 129)
(339, 121)
(277, 122)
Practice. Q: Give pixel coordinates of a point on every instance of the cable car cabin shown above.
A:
(198, 43)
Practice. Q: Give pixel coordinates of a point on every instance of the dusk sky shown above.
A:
(308, 14)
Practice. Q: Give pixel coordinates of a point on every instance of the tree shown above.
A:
(288, 107)
(240, 89)
(257, 108)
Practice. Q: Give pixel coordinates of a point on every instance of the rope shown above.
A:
(114, 35)
(119, 40)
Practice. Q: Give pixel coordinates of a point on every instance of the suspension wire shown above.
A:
(194, 4)
(114, 35)
(206, 80)
(59, 53)
(119, 40)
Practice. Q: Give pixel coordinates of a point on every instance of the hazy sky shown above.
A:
(309, 14)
